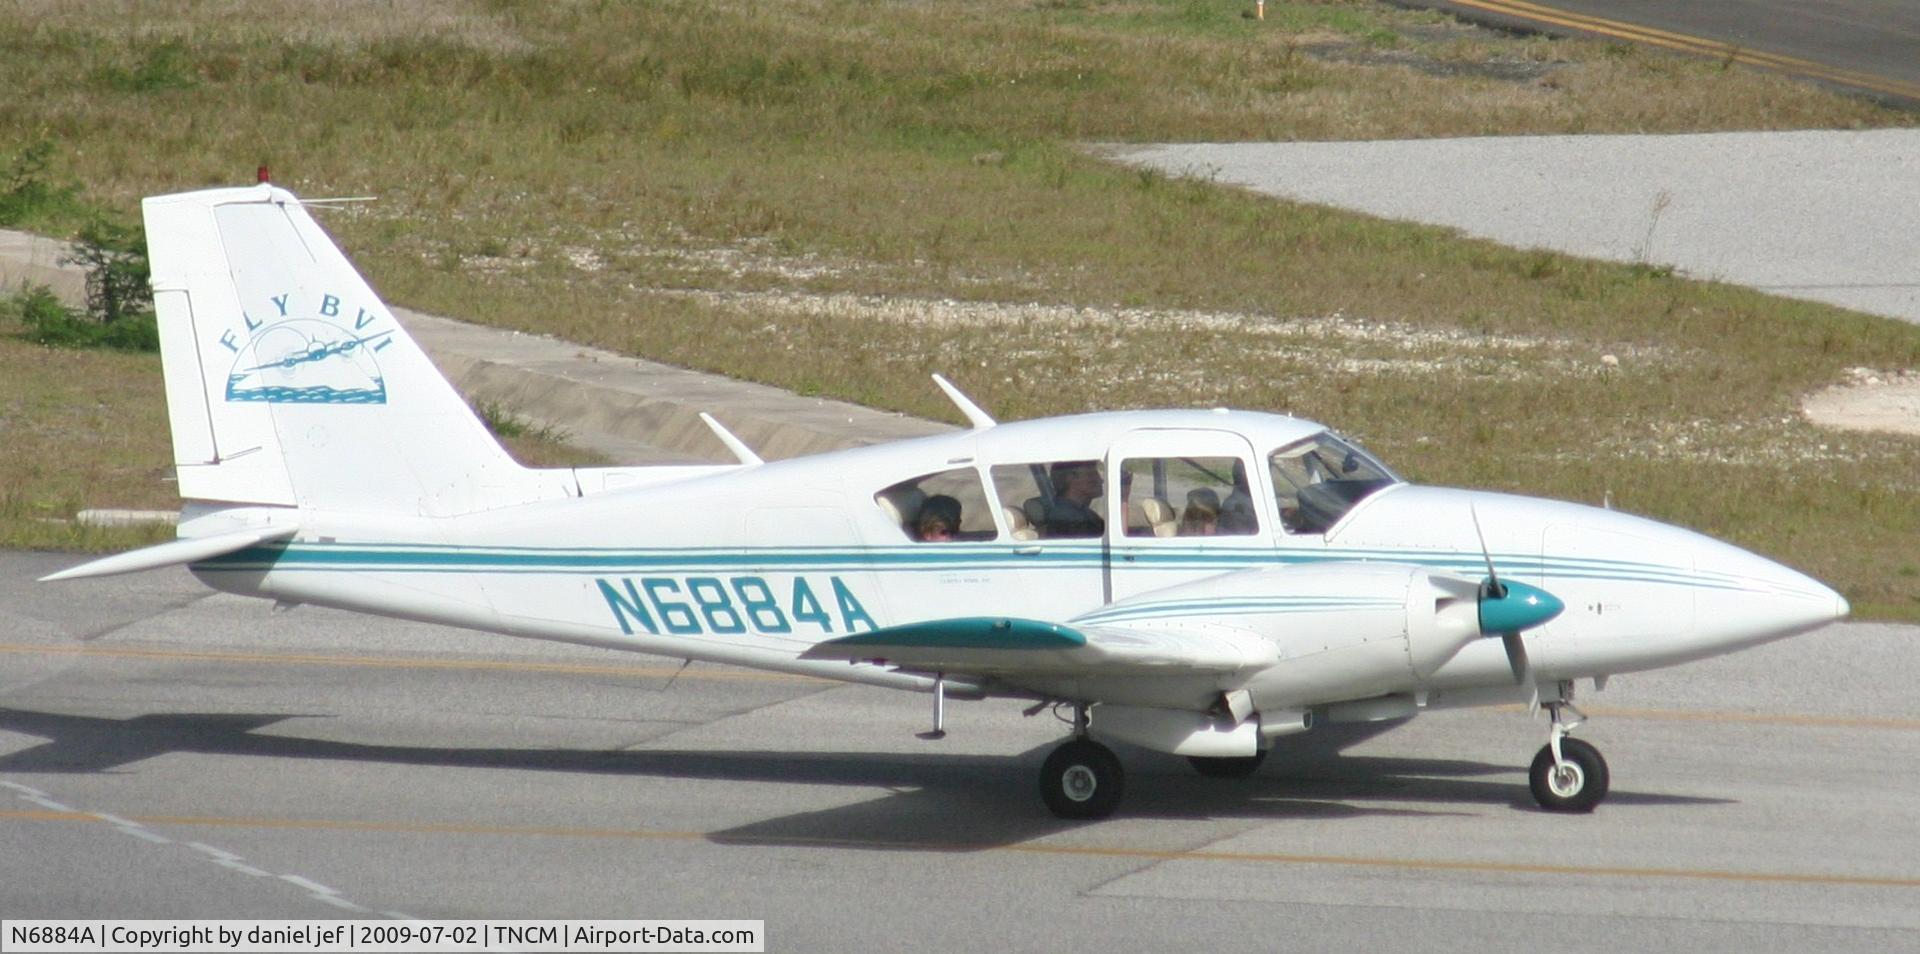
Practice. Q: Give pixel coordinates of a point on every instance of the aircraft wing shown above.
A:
(1000, 645)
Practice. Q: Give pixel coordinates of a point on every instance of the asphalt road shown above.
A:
(1870, 45)
(169, 752)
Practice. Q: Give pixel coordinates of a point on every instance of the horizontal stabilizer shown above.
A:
(1008, 646)
(189, 550)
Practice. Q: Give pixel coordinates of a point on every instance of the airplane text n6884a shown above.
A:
(1203, 583)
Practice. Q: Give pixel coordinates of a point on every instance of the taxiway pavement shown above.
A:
(1821, 215)
(166, 751)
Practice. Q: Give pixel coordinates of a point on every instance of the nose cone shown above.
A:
(1522, 607)
(1750, 599)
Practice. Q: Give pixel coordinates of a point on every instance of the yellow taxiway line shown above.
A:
(399, 662)
(1031, 848)
(1803, 720)
(1552, 16)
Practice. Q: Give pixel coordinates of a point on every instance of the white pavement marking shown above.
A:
(1820, 215)
(226, 859)
(219, 856)
(321, 892)
(133, 828)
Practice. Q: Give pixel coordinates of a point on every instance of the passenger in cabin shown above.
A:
(938, 521)
(1076, 483)
(1202, 516)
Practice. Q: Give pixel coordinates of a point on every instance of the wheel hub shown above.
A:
(1566, 780)
(1079, 782)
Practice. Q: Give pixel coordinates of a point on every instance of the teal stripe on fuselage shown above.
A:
(430, 558)
(969, 554)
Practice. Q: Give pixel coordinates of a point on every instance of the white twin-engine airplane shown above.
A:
(1201, 583)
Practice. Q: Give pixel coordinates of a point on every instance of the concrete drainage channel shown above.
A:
(631, 410)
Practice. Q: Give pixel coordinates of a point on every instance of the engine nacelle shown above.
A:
(1379, 630)
(1343, 630)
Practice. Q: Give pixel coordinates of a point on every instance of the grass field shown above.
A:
(839, 197)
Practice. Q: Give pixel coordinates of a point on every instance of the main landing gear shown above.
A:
(1568, 775)
(1082, 779)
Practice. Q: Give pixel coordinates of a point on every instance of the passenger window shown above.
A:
(946, 507)
(1055, 500)
(1187, 497)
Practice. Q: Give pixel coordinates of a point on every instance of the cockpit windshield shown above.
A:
(1316, 481)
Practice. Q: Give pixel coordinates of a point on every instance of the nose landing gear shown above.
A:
(1568, 775)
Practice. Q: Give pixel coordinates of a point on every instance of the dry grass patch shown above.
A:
(346, 24)
(80, 429)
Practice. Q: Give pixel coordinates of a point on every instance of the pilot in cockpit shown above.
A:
(1076, 483)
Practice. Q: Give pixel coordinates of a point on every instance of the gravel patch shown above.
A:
(1886, 402)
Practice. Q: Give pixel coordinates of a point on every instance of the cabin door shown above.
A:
(1182, 505)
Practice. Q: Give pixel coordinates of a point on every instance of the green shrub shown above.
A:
(119, 312)
(115, 257)
(42, 319)
(26, 197)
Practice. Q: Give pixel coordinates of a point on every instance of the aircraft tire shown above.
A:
(1579, 788)
(1082, 780)
(1217, 767)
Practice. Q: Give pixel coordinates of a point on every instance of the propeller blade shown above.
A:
(1507, 610)
(1522, 669)
(1517, 657)
(1494, 589)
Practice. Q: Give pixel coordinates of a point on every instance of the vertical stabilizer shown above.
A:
(288, 380)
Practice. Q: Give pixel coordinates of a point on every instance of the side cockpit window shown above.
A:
(945, 507)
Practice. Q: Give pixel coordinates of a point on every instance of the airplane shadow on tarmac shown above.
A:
(968, 802)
